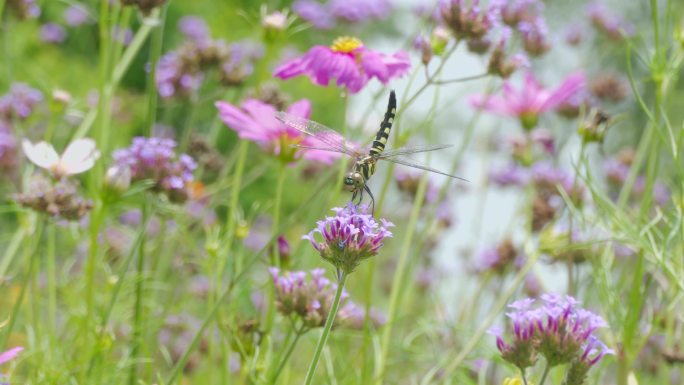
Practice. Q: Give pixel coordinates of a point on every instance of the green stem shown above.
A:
(285, 357)
(121, 68)
(193, 344)
(398, 277)
(151, 86)
(52, 279)
(11, 250)
(31, 247)
(275, 261)
(326, 329)
(547, 368)
(139, 300)
(495, 312)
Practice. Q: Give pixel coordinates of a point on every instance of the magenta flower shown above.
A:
(10, 354)
(349, 62)
(529, 102)
(255, 120)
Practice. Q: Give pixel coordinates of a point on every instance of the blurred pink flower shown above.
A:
(10, 354)
(348, 61)
(531, 100)
(255, 120)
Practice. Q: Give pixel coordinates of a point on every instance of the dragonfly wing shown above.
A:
(319, 148)
(329, 139)
(412, 150)
(411, 163)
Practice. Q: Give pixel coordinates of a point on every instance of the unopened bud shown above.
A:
(439, 39)
(118, 178)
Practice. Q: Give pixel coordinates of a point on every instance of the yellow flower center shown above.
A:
(346, 44)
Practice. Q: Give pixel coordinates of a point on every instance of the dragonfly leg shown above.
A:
(368, 190)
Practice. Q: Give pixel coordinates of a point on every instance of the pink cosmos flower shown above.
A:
(255, 120)
(531, 100)
(10, 354)
(349, 62)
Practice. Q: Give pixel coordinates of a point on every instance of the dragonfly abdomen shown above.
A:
(385, 127)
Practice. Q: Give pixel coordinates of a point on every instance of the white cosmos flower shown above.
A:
(79, 156)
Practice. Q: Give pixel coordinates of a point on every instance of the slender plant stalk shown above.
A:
(138, 309)
(282, 175)
(326, 329)
(285, 357)
(30, 251)
(51, 278)
(547, 368)
(398, 278)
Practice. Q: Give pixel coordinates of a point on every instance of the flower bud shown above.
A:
(118, 178)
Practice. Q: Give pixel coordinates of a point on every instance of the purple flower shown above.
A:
(10, 354)
(325, 16)
(307, 296)
(155, 158)
(355, 11)
(510, 175)
(559, 330)
(513, 12)
(76, 15)
(194, 28)
(181, 72)
(19, 102)
(610, 24)
(468, 22)
(528, 103)
(349, 62)
(534, 36)
(255, 120)
(498, 259)
(314, 12)
(8, 150)
(349, 237)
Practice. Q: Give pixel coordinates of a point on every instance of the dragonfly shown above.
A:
(356, 180)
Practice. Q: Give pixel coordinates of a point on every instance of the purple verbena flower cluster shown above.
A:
(309, 296)
(24, 9)
(608, 23)
(616, 170)
(76, 15)
(52, 33)
(19, 102)
(8, 149)
(559, 330)
(155, 158)
(181, 72)
(326, 15)
(349, 237)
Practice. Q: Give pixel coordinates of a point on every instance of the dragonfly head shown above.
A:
(353, 181)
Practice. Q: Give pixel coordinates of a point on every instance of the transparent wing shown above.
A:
(411, 163)
(412, 150)
(319, 148)
(330, 139)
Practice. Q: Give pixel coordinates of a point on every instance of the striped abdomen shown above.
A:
(385, 127)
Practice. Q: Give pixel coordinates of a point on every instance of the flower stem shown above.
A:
(139, 292)
(326, 329)
(286, 357)
(546, 372)
(51, 279)
(398, 277)
(282, 173)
